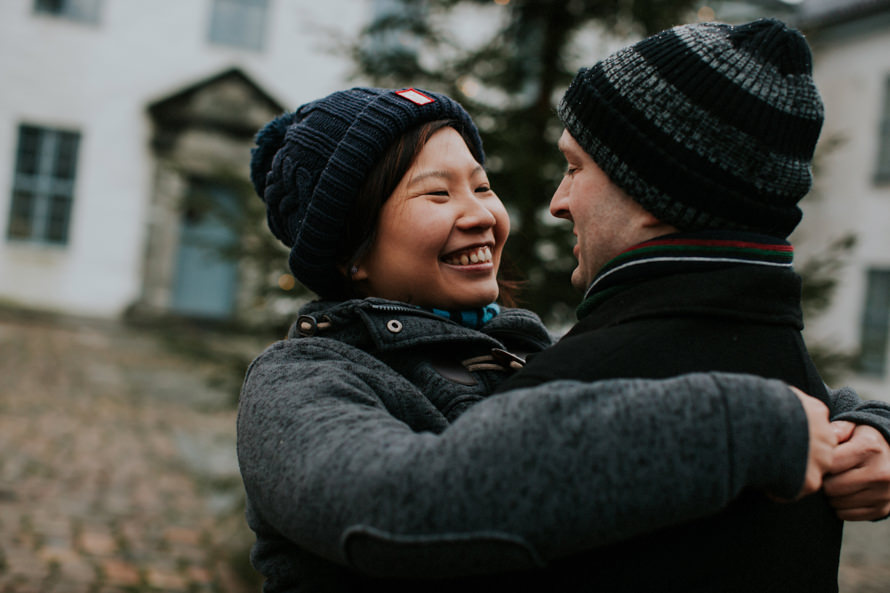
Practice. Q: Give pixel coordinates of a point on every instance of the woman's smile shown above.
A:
(473, 256)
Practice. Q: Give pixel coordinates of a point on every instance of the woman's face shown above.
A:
(441, 232)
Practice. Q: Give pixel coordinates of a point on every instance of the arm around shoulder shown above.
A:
(522, 477)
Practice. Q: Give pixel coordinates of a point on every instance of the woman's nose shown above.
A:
(476, 214)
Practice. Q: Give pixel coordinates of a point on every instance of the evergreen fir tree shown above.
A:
(510, 77)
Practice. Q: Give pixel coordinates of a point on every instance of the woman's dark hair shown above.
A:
(361, 225)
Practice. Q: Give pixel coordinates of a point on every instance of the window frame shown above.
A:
(81, 11)
(882, 166)
(239, 24)
(875, 326)
(44, 179)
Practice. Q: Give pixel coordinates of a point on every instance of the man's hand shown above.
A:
(823, 442)
(858, 484)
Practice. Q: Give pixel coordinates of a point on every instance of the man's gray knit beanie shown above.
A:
(308, 167)
(706, 125)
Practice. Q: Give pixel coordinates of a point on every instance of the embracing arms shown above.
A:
(352, 463)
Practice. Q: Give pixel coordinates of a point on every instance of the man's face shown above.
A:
(606, 220)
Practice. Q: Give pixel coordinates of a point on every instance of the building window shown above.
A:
(85, 11)
(875, 323)
(238, 23)
(43, 185)
(882, 173)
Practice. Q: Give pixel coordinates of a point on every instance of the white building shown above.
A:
(111, 110)
(851, 45)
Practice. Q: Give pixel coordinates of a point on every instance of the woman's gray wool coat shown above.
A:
(369, 449)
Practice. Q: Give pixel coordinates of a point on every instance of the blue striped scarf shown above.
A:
(471, 318)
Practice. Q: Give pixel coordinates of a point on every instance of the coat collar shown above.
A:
(731, 273)
(686, 253)
(384, 325)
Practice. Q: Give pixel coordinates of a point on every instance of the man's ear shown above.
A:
(655, 225)
(651, 227)
(648, 220)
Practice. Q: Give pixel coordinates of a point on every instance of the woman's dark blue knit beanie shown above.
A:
(308, 167)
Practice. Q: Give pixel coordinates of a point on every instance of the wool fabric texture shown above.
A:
(705, 125)
(308, 167)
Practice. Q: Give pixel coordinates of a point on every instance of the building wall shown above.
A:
(98, 79)
(852, 63)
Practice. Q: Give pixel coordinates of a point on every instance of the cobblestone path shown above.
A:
(117, 467)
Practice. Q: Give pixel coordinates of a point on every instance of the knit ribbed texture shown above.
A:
(308, 167)
(706, 125)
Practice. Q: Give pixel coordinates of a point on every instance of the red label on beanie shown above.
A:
(415, 96)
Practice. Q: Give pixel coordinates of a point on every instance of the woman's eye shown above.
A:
(571, 171)
(483, 189)
(437, 195)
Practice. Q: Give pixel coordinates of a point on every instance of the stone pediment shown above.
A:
(229, 102)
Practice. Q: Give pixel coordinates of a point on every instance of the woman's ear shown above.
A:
(358, 273)
(354, 273)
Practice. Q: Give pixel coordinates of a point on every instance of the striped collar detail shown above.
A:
(686, 252)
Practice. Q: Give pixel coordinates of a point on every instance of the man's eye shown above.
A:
(571, 171)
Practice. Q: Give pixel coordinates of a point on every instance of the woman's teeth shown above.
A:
(476, 256)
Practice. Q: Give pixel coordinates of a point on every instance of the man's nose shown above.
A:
(559, 203)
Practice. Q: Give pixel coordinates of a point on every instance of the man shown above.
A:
(687, 154)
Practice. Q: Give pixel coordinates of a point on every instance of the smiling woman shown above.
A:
(371, 452)
(458, 226)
